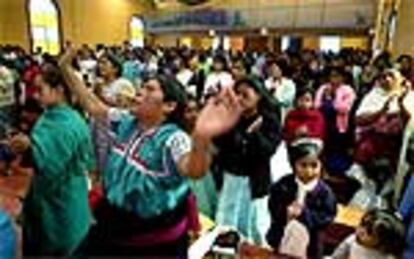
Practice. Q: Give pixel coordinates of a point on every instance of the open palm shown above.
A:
(219, 115)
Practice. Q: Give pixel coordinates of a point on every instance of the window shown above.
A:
(330, 44)
(285, 43)
(44, 26)
(136, 28)
(220, 41)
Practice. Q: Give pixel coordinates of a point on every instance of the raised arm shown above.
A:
(88, 100)
(219, 116)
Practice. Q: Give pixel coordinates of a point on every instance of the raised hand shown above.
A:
(219, 115)
(67, 57)
(294, 210)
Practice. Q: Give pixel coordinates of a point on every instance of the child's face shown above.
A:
(305, 102)
(308, 168)
(364, 238)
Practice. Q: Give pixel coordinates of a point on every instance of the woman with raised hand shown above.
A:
(144, 210)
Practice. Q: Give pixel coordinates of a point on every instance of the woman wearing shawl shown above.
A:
(145, 206)
(56, 211)
(381, 120)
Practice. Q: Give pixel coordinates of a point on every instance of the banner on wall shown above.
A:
(214, 18)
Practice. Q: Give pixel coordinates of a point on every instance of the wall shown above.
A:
(293, 13)
(310, 42)
(83, 21)
(98, 21)
(355, 42)
(165, 40)
(14, 23)
(403, 41)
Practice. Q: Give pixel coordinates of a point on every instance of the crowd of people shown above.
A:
(129, 145)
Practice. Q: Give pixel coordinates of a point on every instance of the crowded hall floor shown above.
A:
(147, 149)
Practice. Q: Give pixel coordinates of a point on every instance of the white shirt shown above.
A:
(376, 99)
(284, 90)
(112, 91)
(304, 189)
(224, 79)
(350, 249)
(87, 67)
(184, 76)
(179, 143)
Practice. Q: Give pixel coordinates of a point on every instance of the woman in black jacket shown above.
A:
(243, 158)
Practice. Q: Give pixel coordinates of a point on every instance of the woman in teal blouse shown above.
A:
(56, 213)
(146, 189)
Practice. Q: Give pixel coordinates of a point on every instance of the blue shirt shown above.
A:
(7, 236)
(141, 174)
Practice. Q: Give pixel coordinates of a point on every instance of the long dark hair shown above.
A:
(388, 228)
(267, 106)
(115, 61)
(173, 92)
(304, 147)
(53, 76)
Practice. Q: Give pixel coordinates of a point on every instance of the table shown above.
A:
(349, 216)
(248, 251)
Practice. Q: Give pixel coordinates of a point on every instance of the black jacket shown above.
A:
(319, 211)
(241, 153)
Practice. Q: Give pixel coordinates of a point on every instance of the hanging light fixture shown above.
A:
(192, 2)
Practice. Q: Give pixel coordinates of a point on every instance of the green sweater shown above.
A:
(57, 215)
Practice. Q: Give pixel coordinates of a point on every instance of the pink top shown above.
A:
(344, 99)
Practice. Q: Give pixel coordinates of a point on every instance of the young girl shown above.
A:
(302, 196)
(244, 159)
(219, 78)
(304, 120)
(380, 235)
(109, 90)
(335, 100)
(144, 210)
(282, 88)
